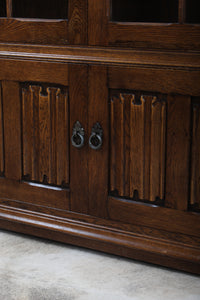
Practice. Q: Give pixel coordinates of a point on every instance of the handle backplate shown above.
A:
(96, 137)
(78, 134)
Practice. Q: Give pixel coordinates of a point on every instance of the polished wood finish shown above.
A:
(138, 195)
(161, 36)
(77, 30)
(98, 159)
(138, 146)
(35, 194)
(176, 81)
(27, 31)
(177, 160)
(12, 132)
(78, 93)
(195, 164)
(30, 71)
(9, 8)
(98, 16)
(67, 230)
(45, 134)
(1, 135)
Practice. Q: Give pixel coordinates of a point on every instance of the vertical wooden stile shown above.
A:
(79, 177)
(1, 136)
(195, 157)
(182, 11)
(12, 129)
(98, 159)
(98, 16)
(178, 151)
(9, 8)
(77, 19)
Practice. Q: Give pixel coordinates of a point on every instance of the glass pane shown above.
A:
(162, 11)
(192, 11)
(45, 9)
(2, 8)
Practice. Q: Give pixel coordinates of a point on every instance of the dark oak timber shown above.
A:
(78, 93)
(98, 159)
(1, 135)
(53, 32)
(178, 147)
(12, 129)
(92, 71)
(77, 28)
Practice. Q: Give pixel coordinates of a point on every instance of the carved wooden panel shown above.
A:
(45, 134)
(1, 135)
(137, 157)
(195, 157)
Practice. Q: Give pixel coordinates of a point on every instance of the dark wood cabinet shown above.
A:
(100, 126)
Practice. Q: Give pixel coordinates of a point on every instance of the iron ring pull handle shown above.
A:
(78, 134)
(96, 140)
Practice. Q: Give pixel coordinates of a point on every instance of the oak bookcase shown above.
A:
(100, 125)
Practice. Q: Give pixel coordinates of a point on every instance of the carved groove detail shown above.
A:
(1, 136)
(45, 135)
(195, 159)
(138, 140)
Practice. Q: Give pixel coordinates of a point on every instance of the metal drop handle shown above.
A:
(96, 137)
(78, 134)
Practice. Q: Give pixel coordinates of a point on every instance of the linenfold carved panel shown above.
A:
(45, 134)
(138, 140)
(195, 157)
(1, 136)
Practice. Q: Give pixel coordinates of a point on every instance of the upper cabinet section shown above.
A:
(45, 9)
(145, 11)
(46, 22)
(145, 24)
(154, 24)
(137, 24)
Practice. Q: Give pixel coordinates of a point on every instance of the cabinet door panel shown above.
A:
(154, 146)
(34, 127)
(45, 134)
(137, 149)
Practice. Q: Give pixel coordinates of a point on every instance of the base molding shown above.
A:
(103, 238)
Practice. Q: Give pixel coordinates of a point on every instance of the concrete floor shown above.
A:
(35, 269)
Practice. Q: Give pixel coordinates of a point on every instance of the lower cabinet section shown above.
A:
(104, 157)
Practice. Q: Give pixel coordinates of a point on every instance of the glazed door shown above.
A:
(34, 135)
(51, 22)
(144, 24)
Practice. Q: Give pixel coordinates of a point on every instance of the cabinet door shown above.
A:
(172, 24)
(154, 149)
(51, 22)
(34, 135)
